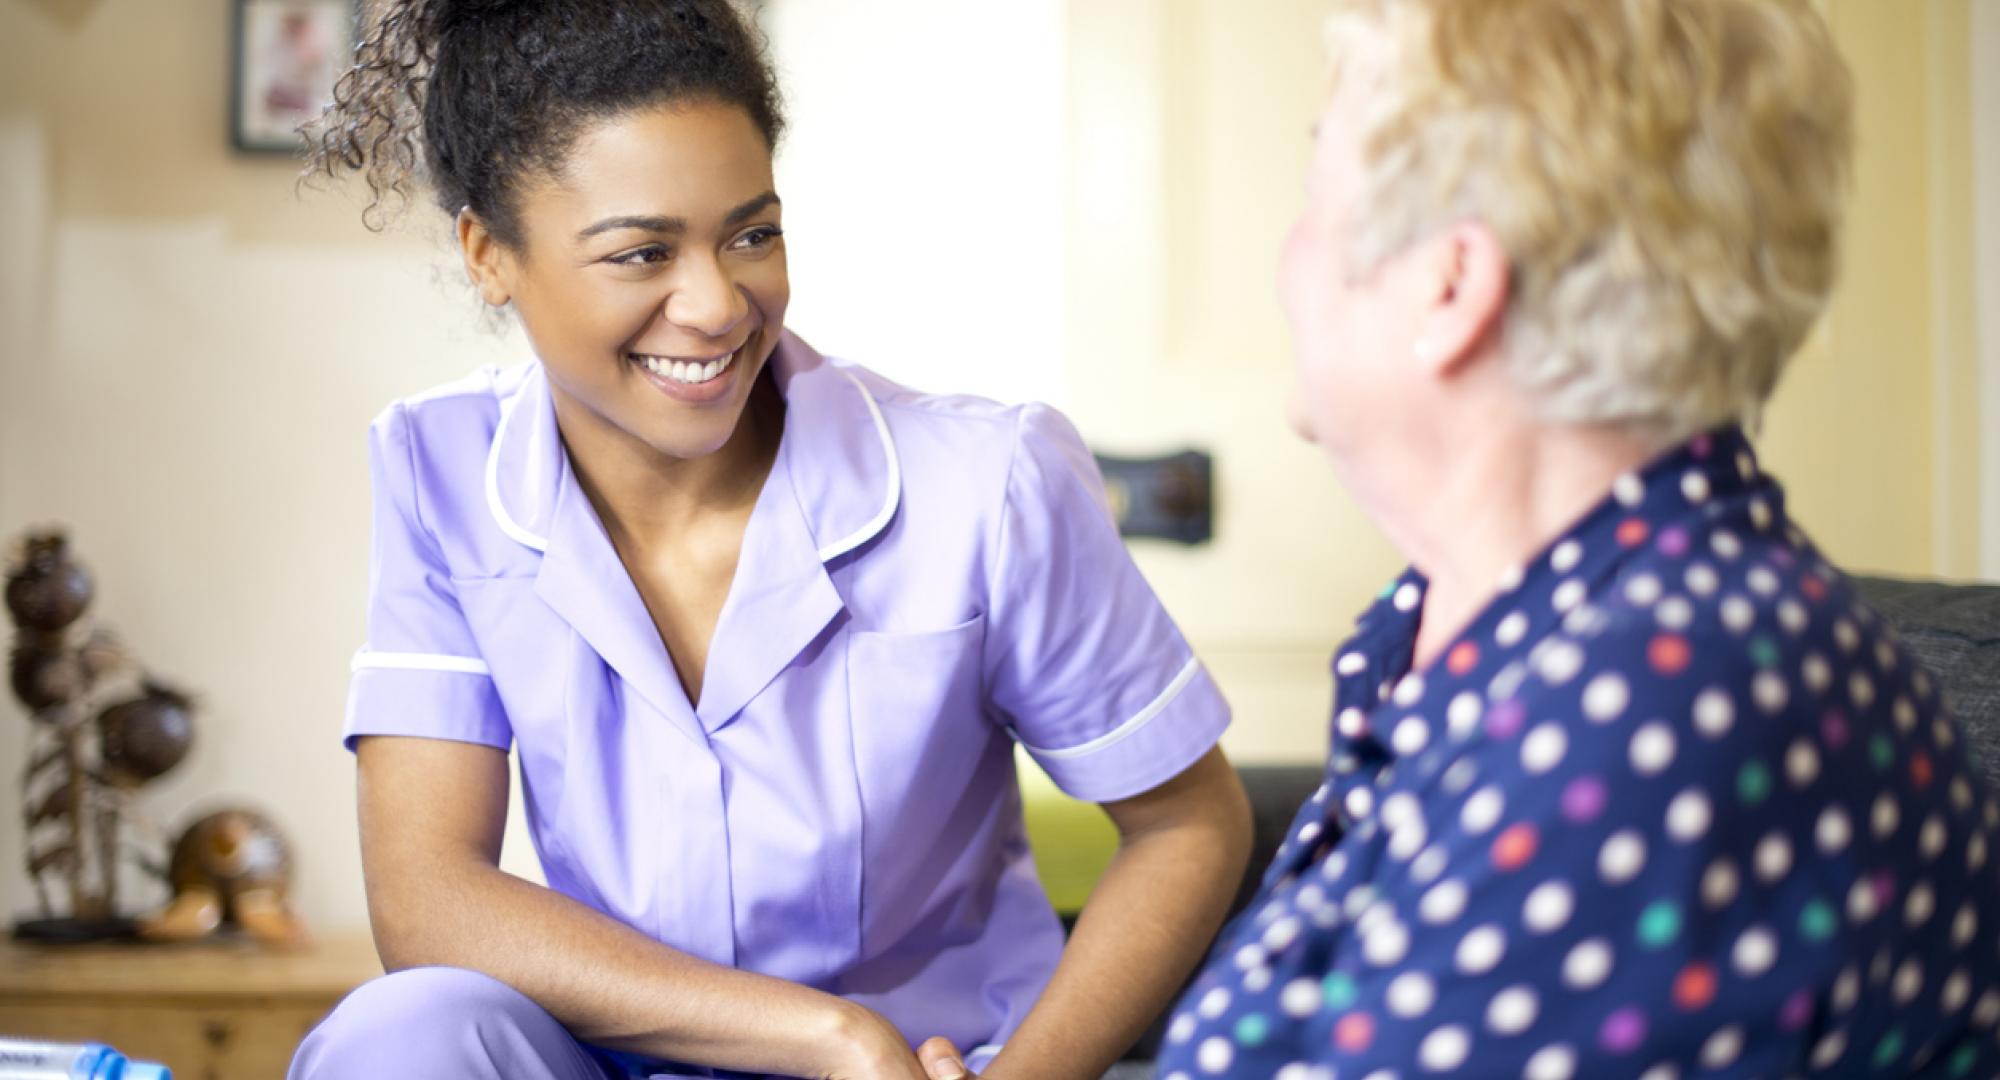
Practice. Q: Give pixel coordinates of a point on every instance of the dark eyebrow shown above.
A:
(657, 224)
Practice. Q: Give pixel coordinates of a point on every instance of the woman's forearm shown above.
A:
(607, 983)
(1145, 927)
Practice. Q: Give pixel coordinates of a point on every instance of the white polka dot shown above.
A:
(1548, 907)
(1544, 747)
(1512, 578)
(1386, 944)
(1674, 613)
(1801, 762)
(1725, 544)
(1605, 697)
(1411, 736)
(1845, 635)
(1480, 949)
(1987, 1011)
(1652, 749)
(1722, 1048)
(1816, 673)
(1622, 857)
(1428, 864)
(1443, 903)
(1558, 661)
(1352, 722)
(1694, 485)
(1714, 712)
(1566, 555)
(1629, 490)
(1738, 614)
(1182, 1028)
(1359, 802)
(1755, 951)
(1510, 630)
(1719, 883)
(1643, 590)
(1258, 980)
(1767, 689)
(1411, 994)
(1587, 965)
(1279, 935)
(1513, 1011)
(1885, 655)
(1215, 1054)
(1483, 810)
(1689, 815)
(1702, 580)
(1459, 777)
(1846, 990)
(1861, 903)
(1445, 1049)
(1884, 817)
(1908, 983)
(1407, 597)
(1556, 1062)
(1964, 926)
(1762, 581)
(1410, 689)
(1334, 866)
(1464, 712)
(1861, 690)
(1941, 733)
(1833, 831)
(1957, 988)
(1920, 905)
(1407, 839)
(1905, 715)
(1773, 858)
(1568, 595)
(1352, 663)
(1828, 1051)
(1793, 617)
(1310, 831)
(1665, 1070)
(1932, 837)
(1300, 998)
(1975, 852)
(1214, 1003)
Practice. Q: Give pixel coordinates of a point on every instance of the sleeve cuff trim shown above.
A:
(467, 665)
(1127, 729)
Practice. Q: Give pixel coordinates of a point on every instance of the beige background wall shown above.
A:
(189, 352)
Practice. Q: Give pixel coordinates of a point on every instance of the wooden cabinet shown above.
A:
(211, 1011)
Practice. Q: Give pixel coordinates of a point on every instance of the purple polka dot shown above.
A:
(1884, 884)
(1623, 1031)
(1701, 446)
(1833, 729)
(1583, 799)
(1503, 721)
(1797, 1011)
(1784, 558)
(1673, 541)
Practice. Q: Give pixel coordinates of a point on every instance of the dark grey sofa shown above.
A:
(1953, 629)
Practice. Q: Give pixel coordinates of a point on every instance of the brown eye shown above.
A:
(758, 239)
(650, 255)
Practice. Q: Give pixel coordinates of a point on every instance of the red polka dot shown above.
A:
(1920, 770)
(1354, 1033)
(1464, 657)
(1669, 654)
(1694, 987)
(1814, 587)
(1515, 847)
(1633, 531)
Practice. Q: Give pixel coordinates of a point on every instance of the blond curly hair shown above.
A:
(1666, 177)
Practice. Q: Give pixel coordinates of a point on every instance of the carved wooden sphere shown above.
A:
(146, 736)
(46, 590)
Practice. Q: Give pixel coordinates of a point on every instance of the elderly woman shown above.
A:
(1624, 781)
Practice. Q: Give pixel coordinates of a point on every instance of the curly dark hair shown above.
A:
(471, 95)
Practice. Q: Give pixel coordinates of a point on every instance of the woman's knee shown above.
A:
(435, 1021)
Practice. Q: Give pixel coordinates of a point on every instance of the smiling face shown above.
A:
(650, 277)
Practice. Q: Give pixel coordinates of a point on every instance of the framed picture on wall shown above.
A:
(286, 55)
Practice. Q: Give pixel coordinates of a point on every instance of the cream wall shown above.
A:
(189, 352)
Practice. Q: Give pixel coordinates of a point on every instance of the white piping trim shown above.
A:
(493, 504)
(860, 536)
(1127, 729)
(409, 661)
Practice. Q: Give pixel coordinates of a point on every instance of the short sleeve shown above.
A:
(421, 672)
(1081, 659)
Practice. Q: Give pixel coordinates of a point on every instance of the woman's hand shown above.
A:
(941, 1061)
(868, 1047)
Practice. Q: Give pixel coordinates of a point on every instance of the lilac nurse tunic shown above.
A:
(925, 581)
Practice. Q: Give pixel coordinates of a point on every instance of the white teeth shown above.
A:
(681, 371)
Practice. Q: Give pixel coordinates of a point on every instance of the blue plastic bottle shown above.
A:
(23, 1059)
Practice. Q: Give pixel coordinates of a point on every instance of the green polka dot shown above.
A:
(1659, 924)
(1818, 921)
(1386, 591)
(1882, 752)
(1889, 1049)
(1252, 1030)
(1753, 783)
(1764, 652)
(1962, 1061)
(1340, 990)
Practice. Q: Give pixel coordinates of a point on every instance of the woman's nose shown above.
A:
(706, 300)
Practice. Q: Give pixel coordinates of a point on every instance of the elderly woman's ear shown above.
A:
(1464, 277)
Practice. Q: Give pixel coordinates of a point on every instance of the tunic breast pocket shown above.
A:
(933, 771)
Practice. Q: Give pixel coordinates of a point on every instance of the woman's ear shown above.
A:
(486, 259)
(1467, 283)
